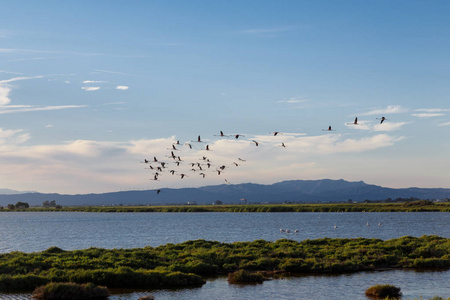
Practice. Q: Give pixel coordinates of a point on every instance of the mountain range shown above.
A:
(324, 190)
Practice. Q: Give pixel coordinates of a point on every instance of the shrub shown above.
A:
(383, 291)
(16, 283)
(70, 291)
(244, 276)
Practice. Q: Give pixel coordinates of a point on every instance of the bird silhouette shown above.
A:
(221, 134)
(382, 119)
(354, 122)
(256, 143)
(329, 129)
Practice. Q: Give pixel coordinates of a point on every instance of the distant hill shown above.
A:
(11, 192)
(325, 190)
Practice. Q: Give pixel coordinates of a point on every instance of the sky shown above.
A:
(90, 90)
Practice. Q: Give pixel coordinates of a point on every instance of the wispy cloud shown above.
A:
(10, 109)
(293, 100)
(20, 78)
(114, 72)
(32, 58)
(36, 51)
(122, 87)
(94, 81)
(433, 110)
(389, 126)
(427, 115)
(5, 88)
(90, 88)
(390, 109)
(7, 72)
(6, 108)
(445, 124)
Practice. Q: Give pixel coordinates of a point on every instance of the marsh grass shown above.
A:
(244, 276)
(414, 206)
(70, 291)
(383, 291)
(187, 264)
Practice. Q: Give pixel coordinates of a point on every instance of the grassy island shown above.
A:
(188, 264)
(414, 206)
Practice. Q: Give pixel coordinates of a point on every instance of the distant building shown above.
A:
(192, 203)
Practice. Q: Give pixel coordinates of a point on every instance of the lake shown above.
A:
(37, 231)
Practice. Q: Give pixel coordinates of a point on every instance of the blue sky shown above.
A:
(88, 90)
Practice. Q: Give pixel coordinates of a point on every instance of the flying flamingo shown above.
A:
(382, 119)
(329, 129)
(354, 122)
(221, 134)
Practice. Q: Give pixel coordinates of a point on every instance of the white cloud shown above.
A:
(54, 168)
(113, 72)
(293, 100)
(7, 72)
(49, 126)
(427, 115)
(445, 124)
(94, 81)
(90, 88)
(122, 87)
(389, 126)
(9, 109)
(433, 110)
(4, 92)
(19, 78)
(14, 137)
(390, 109)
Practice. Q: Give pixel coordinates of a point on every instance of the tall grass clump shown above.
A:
(383, 291)
(244, 276)
(70, 291)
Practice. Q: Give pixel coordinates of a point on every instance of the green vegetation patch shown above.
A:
(187, 264)
(244, 276)
(409, 206)
(383, 291)
(70, 291)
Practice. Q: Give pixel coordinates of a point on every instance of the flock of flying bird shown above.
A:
(175, 165)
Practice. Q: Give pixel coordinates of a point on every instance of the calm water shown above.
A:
(29, 232)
